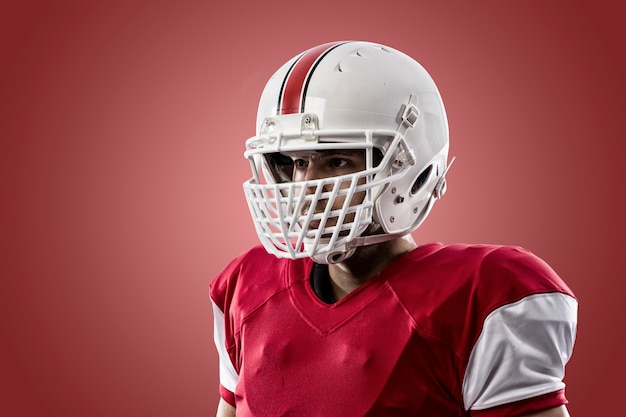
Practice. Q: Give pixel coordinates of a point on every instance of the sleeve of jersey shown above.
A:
(518, 363)
(221, 294)
(227, 372)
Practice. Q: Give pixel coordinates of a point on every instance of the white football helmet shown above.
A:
(346, 95)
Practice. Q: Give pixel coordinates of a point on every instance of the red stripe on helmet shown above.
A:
(292, 97)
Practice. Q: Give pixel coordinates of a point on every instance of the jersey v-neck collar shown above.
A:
(320, 312)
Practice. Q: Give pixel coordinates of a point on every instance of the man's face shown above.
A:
(315, 165)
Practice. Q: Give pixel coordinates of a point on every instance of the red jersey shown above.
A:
(442, 331)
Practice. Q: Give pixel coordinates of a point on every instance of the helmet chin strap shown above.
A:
(343, 252)
(334, 257)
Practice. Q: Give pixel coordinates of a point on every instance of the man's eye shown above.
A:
(300, 163)
(338, 162)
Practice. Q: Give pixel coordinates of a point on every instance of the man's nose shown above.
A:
(314, 171)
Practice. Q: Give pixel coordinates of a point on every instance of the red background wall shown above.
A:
(122, 128)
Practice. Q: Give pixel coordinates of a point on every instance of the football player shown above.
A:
(340, 312)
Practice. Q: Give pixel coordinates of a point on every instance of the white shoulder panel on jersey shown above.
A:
(521, 352)
(228, 375)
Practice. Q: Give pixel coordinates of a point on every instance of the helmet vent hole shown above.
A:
(421, 179)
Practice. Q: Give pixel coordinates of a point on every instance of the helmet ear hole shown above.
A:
(421, 179)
